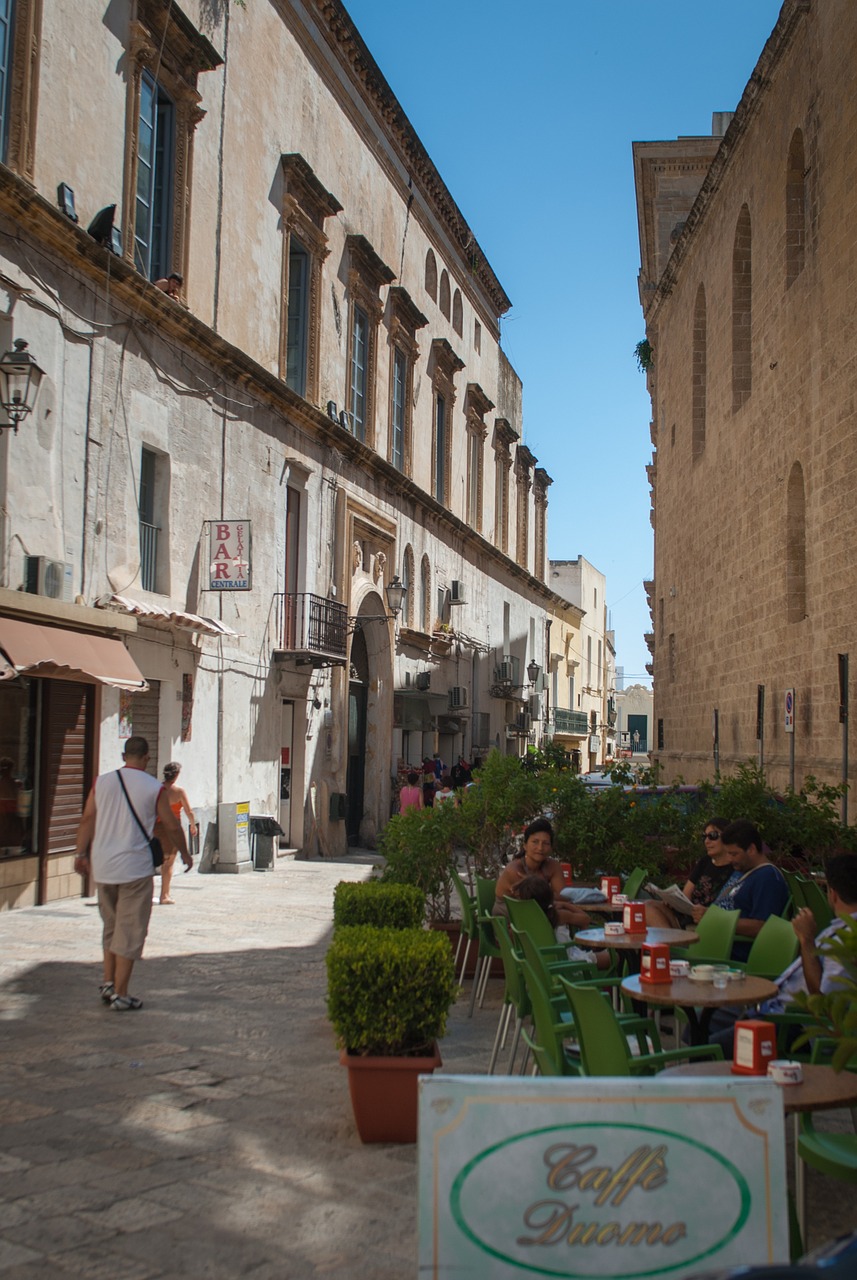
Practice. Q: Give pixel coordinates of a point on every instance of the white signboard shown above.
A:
(790, 710)
(589, 1177)
(229, 561)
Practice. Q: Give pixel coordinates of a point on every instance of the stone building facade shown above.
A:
(748, 302)
(590, 660)
(315, 408)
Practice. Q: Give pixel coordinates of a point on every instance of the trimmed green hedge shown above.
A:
(387, 906)
(389, 990)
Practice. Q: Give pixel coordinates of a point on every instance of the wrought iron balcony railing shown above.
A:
(311, 628)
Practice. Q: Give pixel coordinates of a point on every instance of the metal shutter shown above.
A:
(66, 757)
(145, 721)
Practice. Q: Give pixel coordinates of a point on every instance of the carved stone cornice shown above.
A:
(477, 401)
(446, 362)
(404, 309)
(344, 37)
(505, 435)
(365, 261)
(541, 483)
(190, 51)
(524, 460)
(304, 189)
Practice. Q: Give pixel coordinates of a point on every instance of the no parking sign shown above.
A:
(790, 710)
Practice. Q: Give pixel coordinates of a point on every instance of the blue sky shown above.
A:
(529, 113)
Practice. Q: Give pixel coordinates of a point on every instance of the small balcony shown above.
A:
(574, 723)
(310, 629)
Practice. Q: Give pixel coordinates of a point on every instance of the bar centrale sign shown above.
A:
(229, 560)
(588, 1178)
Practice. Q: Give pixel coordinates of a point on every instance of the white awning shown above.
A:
(168, 617)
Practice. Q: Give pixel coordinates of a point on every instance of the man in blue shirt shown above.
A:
(761, 890)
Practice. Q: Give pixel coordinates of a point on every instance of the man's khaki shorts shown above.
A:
(125, 910)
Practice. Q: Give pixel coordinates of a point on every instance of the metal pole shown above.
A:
(760, 724)
(843, 720)
(716, 732)
(792, 744)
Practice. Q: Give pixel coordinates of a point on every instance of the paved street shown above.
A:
(209, 1135)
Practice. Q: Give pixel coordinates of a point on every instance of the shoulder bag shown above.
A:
(153, 841)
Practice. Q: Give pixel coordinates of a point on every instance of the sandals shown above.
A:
(167, 902)
(106, 992)
(122, 1003)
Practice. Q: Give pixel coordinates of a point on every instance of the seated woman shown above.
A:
(535, 859)
(539, 890)
(704, 883)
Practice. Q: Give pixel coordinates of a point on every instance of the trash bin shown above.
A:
(264, 830)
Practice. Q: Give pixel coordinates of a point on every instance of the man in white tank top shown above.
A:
(113, 844)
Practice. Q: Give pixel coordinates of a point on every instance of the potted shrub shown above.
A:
(388, 995)
(387, 906)
(419, 848)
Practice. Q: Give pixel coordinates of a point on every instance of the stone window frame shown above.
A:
(524, 462)
(426, 619)
(504, 437)
(742, 310)
(444, 295)
(431, 275)
(164, 43)
(305, 208)
(541, 484)
(457, 313)
(404, 320)
(367, 275)
(409, 579)
(476, 405)
(23, 88)
(796, 212)
(445, 364)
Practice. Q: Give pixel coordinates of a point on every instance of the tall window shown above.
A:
(425, 594)
(5, 70)
(397, 409)
(504, 437)
(163, 113)
(306, 206)
(443, 366)
(366, 276)
(524, 461)
(20, 56)
(297, 330)
(796, 545)
(457, 313)
(699, 374)
(440, 428)
(476, 405)
(357, 380)
(795, 209)
(408, 580)
(444, 297)
(742, 298)
(431, 275)
(404, 321)
(540, 492)
(155, 148)
(149, 530)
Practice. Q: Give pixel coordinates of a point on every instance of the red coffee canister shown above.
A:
(565, 868)
(755, 1046)
(655, 962)
(634, 917)
(610, 885)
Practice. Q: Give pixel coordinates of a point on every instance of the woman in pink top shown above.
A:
(411, 796)
(178, 801)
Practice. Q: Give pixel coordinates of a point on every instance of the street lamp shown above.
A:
(20, 378)
(395, 592)
(533, 671)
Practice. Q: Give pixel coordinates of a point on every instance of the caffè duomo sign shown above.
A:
(586, 1178)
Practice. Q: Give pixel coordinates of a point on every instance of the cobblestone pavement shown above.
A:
(209, 1135)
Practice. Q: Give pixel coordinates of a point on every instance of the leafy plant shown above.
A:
(419, 850)
(389, 990)
(644, 355)
(835, 1014)
(391, 906)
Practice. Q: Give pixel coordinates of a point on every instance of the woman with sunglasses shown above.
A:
(705, 881)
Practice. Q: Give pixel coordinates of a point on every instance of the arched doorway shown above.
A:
(358, 695)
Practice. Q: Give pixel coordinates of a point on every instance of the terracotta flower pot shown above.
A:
(384, 1094)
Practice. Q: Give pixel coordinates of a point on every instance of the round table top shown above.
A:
(600, 908)
(634, 941)
(748, 990)
(822, 1088)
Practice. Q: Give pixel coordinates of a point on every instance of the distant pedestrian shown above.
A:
(113, 844)
(411, 795)
(178, 801)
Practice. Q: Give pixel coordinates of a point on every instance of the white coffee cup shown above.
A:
(703, 972)
(619, 899)
(785, 1071)
(614, 929)
(679, 968)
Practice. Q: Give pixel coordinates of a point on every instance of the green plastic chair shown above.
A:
(602, 1038)
(832, 1153)
(488, 949)
(816, 900)
(797, 900)
(528, 917)
(634, 883)
(716, 932)
(468, 922)
(773, 949)
(515, 997)
(547, 1037)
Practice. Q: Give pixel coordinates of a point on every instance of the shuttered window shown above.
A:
(65, 773)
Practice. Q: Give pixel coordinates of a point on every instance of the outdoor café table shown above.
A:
(700, 999)
(601, 908)
(822, 1089)
(634, 941)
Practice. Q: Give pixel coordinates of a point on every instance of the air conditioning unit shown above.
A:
(44, 577)
(458, 696)
(504, 673)
(456, 592)
(423, 680)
